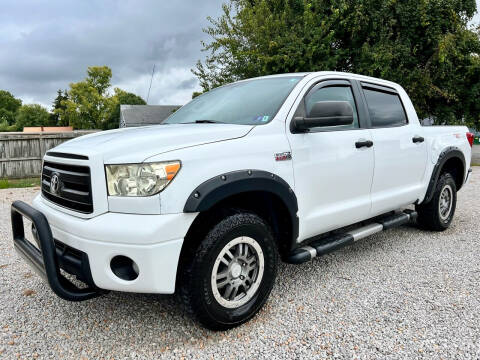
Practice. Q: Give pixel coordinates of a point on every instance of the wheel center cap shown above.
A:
(236, 270)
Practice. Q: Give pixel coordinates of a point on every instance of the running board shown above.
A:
(337, 241)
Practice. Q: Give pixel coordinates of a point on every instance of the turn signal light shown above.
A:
(172, 170)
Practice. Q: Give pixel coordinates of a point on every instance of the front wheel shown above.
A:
(230, 276)
(438, 213)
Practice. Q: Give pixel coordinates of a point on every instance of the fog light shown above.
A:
(124, 267)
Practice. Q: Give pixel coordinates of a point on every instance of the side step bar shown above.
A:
(337, 241)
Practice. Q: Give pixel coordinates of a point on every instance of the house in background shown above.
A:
(52, 129)
(144, 115)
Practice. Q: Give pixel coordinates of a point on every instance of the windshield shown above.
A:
(251, 102)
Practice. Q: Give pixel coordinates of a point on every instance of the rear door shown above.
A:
(332, 169)
(399, 149)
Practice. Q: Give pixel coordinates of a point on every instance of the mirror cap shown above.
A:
(330, 109)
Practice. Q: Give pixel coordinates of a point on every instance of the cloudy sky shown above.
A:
(47, 44)
(477, 17)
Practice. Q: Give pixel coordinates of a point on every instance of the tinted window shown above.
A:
(333, 93)
(385, 109)
(251, 102)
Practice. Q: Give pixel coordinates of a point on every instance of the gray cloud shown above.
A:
(48, 44)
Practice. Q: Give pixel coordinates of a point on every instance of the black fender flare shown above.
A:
(216, 189)
(447, 154)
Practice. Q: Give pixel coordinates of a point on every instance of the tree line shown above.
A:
(427, 46)
(88, 104)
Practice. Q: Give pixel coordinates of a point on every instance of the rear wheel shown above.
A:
(438, 213)
(231, 274)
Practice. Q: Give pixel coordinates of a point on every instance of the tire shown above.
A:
(434, 215)
(203, 276)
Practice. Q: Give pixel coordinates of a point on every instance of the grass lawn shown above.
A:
(19, 183)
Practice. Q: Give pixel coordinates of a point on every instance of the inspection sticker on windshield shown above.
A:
(261, 118)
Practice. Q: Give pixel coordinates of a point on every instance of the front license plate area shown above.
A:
(31, 234)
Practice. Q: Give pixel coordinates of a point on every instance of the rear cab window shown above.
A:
(385, 107)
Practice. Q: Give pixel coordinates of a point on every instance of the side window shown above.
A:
(385, 109)
(333, 93)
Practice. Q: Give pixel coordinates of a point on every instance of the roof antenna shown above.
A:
(153, 71)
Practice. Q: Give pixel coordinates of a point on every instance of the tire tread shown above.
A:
(190, 274)
(428, 216)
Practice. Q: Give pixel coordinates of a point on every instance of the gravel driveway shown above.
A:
(476, 154)
(403, 293)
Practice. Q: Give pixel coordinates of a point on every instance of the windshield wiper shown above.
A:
(208, 122)
(205, 122)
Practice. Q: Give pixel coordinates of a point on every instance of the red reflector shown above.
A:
(470, 138)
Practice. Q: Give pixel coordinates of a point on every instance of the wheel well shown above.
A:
(265, 204)
(455, 167)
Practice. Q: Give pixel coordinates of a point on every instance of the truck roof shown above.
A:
(317, 73)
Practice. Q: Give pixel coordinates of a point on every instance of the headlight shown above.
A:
(140, 179)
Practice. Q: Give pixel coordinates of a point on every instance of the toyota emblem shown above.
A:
(54, 184)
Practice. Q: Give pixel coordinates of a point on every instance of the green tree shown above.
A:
(121, 97)
(31, 115)
(59, 108)
(7, 117)
(425, 45)
(8, 107)
(88, 105)
(5, 125)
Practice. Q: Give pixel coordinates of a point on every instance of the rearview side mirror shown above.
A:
(325, 113)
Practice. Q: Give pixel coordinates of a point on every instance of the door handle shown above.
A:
(417, 139)
(363, 143)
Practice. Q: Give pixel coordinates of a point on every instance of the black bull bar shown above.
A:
(45, 260)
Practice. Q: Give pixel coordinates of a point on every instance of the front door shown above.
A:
(333, 167)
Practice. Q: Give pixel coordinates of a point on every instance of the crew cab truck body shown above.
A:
(205, 204)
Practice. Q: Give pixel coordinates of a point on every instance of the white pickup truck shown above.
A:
(284, 167)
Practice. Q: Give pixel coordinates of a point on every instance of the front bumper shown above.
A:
(153, 242)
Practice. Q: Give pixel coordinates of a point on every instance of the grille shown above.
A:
(73, 190)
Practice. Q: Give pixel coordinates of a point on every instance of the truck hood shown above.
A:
(137, 144)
